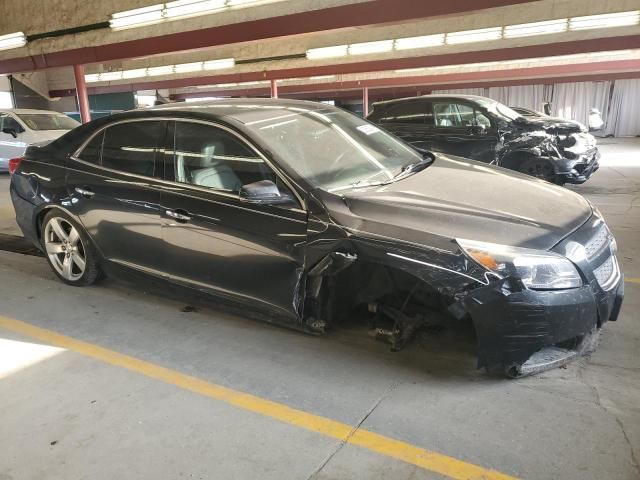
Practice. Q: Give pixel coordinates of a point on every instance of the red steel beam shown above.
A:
(523, 76)
(501, 54)
(344, 16)
(81, 89)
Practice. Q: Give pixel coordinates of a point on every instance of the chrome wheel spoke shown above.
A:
(67, 268)
(54, 248)
(79, 261)
(58, 230)
(73, 237)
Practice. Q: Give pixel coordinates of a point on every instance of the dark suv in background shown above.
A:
(483, 129)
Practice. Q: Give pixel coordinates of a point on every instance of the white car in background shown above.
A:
(20, 128)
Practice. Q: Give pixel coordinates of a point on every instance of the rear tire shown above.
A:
(539, 168)
(68, 250)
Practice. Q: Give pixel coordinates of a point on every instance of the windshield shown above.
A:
(332, 149)
(499, 109)
(48, 121)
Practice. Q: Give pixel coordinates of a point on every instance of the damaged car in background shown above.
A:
(309, 214)
(485, 130)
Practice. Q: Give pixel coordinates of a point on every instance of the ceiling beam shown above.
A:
(345, 16)
(501, 54)
(523, 76)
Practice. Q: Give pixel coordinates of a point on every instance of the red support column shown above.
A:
(81, 93)
(274, 89)
(365, 101)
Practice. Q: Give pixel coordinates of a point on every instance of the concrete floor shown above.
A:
(67, 416)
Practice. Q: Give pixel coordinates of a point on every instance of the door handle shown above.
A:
(85, 192)
(181, 217)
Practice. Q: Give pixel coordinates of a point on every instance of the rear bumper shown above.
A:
(578, 170)
(514, 324)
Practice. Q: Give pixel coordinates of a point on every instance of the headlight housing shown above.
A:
(537, 269)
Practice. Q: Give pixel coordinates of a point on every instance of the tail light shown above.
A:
(14, 163)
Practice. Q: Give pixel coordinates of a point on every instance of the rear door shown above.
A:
(215, 240)
(409, 120)
(462, 129)
(113, 184)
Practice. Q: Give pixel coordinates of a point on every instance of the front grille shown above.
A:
(597, 243)
(600, 250)
(604, 271)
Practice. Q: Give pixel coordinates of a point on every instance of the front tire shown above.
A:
(68, 250)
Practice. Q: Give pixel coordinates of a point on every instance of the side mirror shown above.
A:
(11, 131)
(264, 192)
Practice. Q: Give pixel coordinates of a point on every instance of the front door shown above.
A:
(113, 186)
(463, 130)
(215, 240)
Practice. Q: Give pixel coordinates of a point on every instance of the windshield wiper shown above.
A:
(412, 168)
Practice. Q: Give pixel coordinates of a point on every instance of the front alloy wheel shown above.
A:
(69, 252)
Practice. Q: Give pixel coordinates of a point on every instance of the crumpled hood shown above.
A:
(555, 125)
(460, 198)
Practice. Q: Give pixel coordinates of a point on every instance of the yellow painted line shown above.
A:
(432, 461)
(632, 280)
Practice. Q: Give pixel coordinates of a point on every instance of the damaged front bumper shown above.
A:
(525, 331)
(578, 170)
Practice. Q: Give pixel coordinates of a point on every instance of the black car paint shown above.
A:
(507, 143)
(298, 264)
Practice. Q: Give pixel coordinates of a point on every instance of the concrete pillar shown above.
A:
(81, 93)
(365, 101)
(274, 89)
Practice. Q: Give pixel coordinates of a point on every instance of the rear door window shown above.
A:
(131, 147)
(93, 150)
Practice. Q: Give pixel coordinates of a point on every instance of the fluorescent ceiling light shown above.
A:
(108, 76)
(12, 40)
(185, 8)
(92, 77)
(135, 73)
(328, 52)
(188, 67)
(137, 17)
(175, 10)
(226, 85)
(605, 20)
(479, 35)
(323, 77)
(535, 28)
(419, 42)
(219, 64)
(163, 70)
(370, 47)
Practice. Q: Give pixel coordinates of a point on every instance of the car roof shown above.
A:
(28, 111)
(435, 96)
(234, 107)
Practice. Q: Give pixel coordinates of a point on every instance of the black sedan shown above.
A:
(307, 213)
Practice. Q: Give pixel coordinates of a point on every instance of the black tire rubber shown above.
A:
(539, 168)
(92, 273)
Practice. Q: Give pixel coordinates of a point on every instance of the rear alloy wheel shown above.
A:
(68, 251)
(540, 169)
